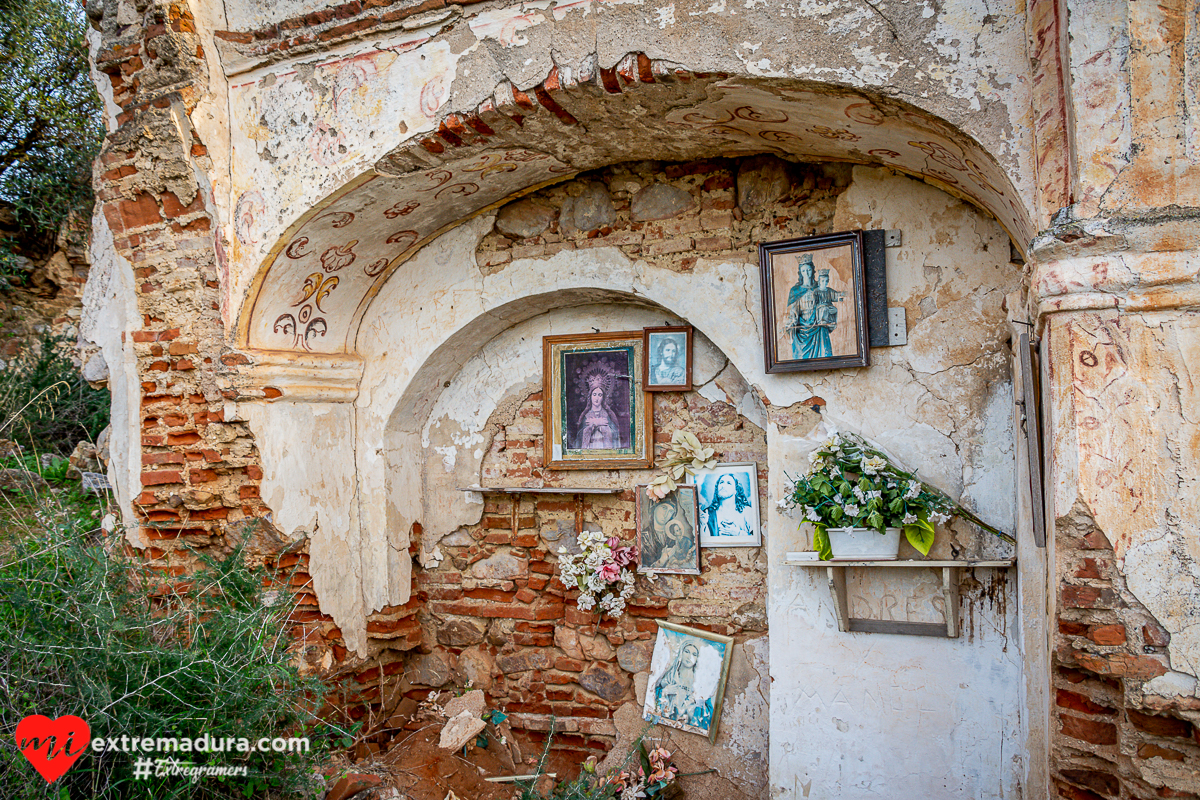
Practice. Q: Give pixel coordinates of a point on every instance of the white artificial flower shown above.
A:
(938, 516)
(874, 494)
(811, 514)
(910, 519)
(914, 489)
(872, 465)
(858, 493)
(851, 510)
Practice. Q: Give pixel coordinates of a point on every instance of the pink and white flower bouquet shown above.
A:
(603, 571)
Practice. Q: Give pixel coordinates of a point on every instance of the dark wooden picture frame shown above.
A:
(677, 528)
(813, 306)
(650, 357)
(595, 413)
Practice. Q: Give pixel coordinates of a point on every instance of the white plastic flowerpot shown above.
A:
(863, 544)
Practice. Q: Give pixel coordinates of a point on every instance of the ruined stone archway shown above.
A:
(313, 291)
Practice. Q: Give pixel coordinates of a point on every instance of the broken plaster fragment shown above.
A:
(461, 731)
(433, 559)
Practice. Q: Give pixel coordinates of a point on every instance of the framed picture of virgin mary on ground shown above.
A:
(688, 672)
(595, 413)
(814, 301)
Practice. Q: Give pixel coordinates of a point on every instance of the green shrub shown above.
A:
(45, 404)
(85, 634)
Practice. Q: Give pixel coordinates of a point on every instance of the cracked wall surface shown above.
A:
(239, 128)
(450, 351)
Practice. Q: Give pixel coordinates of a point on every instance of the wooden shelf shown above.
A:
(576, 491)
(1000, 564)
(951, 574)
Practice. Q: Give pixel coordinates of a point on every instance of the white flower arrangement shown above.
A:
(851, 483)
(601, 570)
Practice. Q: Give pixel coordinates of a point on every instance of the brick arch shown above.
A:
(313, 289)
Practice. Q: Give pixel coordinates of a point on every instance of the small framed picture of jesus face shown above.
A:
(668, 355)
(728, 496)
(668, 536)
(814, 302)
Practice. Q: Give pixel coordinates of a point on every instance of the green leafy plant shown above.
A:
(853, 484)
(93, 632)
(50, 121)
(45, 404)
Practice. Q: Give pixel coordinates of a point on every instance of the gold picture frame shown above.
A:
(595, 412)
(688, 673)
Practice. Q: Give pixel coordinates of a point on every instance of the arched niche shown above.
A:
(313, 290)
(442, 328)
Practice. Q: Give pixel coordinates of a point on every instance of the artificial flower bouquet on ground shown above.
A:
(602, 570)
(853, 484)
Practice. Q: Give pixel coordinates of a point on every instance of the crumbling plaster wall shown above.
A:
(448, 340)
(943, 404)
(1113, 294)
(306, 122)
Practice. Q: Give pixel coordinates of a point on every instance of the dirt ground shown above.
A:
(419, 769)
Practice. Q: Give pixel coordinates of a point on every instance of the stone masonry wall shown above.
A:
(497, 616)
(199, 469)
(1109, 740)
(683, 211)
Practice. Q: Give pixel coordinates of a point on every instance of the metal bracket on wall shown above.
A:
(1031, 422)
(886, 327)
(875, 273)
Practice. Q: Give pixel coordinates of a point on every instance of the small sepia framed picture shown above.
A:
(595, 414)
(688, 673)
(728, 498)
(668, 358)
(668, 536)
(814, 303)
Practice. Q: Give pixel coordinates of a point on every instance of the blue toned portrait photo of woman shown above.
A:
(808, 322)
(729, 510)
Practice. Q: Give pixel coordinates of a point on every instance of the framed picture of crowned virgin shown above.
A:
(814, 303)
(595, 412)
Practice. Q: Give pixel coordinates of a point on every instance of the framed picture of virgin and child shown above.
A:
(595, 413)
(688, 672)
(667, 533)
(814, 303)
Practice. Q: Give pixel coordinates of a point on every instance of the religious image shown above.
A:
(687, 679)
(668, 355)
(595, 410)
(814, 303)
(668, 539)
(728, 498)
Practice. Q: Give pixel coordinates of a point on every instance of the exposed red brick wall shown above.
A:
(713, 227)
(520, 636)
(1110, 739)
